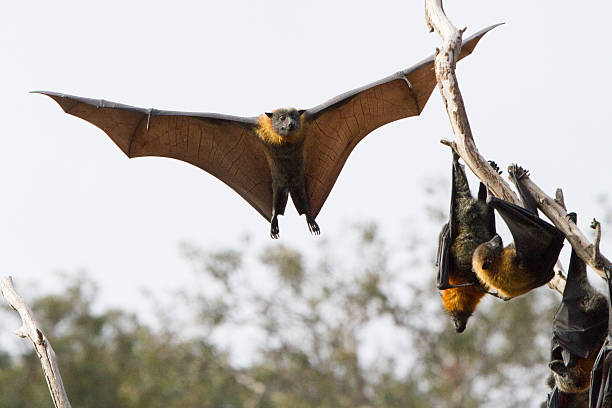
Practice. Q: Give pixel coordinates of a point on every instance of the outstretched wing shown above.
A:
(337, 125)
(222, 145)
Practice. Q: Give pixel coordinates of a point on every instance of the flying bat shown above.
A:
(528, 262)
(280, 153)
(600, 393)
(579, 328)
(471, 223)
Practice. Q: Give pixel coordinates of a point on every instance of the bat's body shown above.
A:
(263, 158)
(471, 222)
(579, 329)
(600, 393)
(528, 262)
(282, 134)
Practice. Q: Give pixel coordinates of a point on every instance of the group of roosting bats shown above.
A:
(472, 261)
(301, 153)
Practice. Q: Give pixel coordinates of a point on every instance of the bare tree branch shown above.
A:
(29, 328)
(580, 243)
(445, 61)
(466, 148)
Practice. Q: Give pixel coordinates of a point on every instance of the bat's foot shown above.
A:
(313, 227)
(517, 171)
(274, 231)
(495, 166)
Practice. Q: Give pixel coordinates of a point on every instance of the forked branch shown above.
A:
(29, 328)
(465, 146)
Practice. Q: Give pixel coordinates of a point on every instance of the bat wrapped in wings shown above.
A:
(600, 393)
(267, 158)
(471, 223)
(579, 329)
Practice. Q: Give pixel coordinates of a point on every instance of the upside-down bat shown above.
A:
(579, 328)
(528, 262)
(266, 158)
(600, 393)
(471, 222)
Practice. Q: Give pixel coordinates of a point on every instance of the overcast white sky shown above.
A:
(537, 92)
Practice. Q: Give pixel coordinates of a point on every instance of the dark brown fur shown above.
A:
(282, 135)
(471, 218)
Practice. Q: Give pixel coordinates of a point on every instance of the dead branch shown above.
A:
(29, 328)
(464, 143)
(445, 62)
(580, 243)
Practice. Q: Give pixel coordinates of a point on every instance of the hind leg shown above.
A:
(279, 202)
(302, 205)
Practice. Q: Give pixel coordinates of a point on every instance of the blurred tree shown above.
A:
(345, 325)
(110, 359)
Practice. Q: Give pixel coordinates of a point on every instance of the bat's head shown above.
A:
(460, 319)
(461, 302)
(285, 121)
(486, 254)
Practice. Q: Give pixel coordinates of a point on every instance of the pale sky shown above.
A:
(536, 91)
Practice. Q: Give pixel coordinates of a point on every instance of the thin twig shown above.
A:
(560, 199)
(29, 328)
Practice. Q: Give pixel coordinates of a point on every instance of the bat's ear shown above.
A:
(301, 111)
(486, 264)
(269, 114)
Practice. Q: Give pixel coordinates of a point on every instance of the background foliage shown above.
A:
(360, 329)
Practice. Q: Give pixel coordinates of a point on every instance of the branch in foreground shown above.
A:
(445, 62)
(464, 144)
(29, 329)
(580, 243)
(466, 147)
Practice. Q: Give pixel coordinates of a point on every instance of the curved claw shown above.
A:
(274, 230)
(313, 227)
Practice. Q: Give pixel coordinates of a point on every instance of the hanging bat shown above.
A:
(600, 393)
(471, 223)
(528, 262)
(579, 328)
(267, 158)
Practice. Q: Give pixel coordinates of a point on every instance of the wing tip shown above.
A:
(470, 43)
(47, 93)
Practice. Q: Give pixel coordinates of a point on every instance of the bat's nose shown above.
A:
(460, 326)
(291, 126)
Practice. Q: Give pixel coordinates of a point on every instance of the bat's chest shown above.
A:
(286, 162)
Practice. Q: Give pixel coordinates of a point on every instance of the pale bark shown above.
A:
(29, 328)
(465, 146)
